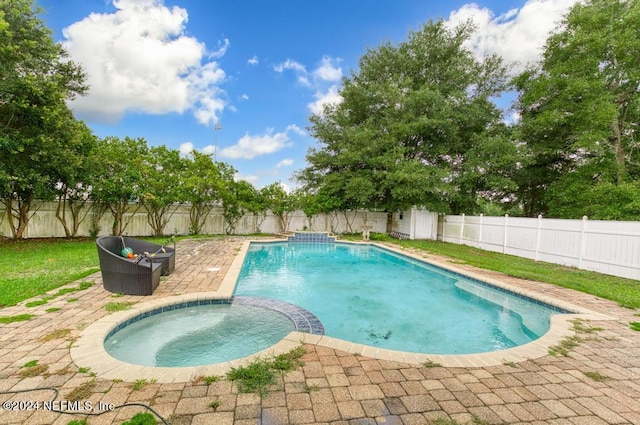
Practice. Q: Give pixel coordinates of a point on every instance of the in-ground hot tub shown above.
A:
(206, 331)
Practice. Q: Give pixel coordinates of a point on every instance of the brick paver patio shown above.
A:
(597, 383)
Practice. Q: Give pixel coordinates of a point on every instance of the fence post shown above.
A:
(506, 227)
(461, 229)
(583, 240)
(444, 228)
(480, 232)
(538, 237)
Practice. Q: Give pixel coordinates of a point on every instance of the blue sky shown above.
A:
(168, 70)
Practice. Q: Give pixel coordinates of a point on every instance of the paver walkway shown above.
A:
(597, 383)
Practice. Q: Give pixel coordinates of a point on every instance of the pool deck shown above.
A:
(340, 383)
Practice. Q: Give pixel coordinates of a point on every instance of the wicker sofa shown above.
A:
(139, 276)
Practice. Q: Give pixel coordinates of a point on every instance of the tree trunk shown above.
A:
(61, 215)
(21, 213)
(619, 151)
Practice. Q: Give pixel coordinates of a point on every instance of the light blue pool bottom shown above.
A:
(372, 296)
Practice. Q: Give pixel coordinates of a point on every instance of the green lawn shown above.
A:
(33, 267)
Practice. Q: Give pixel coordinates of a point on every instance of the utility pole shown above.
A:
(217, 127)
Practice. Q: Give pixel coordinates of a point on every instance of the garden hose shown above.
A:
(57, 393)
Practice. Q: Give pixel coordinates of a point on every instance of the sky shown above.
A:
(239, 79)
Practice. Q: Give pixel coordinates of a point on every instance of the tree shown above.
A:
(203, 186)
(37, 143)
(310, 205)
(281, 204)
(118, 178)
(259, 208)
(237, 199)
(580, 109)
(409, 119)
(161, 186)
(74, 187)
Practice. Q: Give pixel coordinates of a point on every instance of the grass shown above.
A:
(564, 346)
(210, 379)
(36, 266)
(259, 375)
(32, 368)
(597, 376)
(112, 307)
(16, 318)
(82, 392)
(141, 418)
(568, 343)
(35, 303)
(30, 363)
(139, 384)
(430, 364)
(625, 292)
(57, 334)
(78, 422)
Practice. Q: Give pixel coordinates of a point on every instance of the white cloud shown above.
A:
(140, 59)
(518, 35)
(186, 148)
(205, 96)
(209, 150)
(244, 96)
(250, 146)
(253, 179)
(285, 187)
(285, 163)
(253, 61)
(222, 49)
(299, 69)
(513, 118)
(290, 64)
(330, 97)
(328, 70)
(296, 129)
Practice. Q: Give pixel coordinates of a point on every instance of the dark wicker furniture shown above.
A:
(139, 276)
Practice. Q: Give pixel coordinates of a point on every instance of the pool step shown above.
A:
(518, 305)
(312, 237)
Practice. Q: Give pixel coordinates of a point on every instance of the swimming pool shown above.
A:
(372, 296)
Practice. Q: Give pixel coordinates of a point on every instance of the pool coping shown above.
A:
(89, 351)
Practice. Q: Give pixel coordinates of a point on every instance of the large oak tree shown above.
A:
(416, 126)
(580, 110)
(40, 140)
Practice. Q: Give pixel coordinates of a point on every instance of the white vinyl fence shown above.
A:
(44, 223)
(611, 247)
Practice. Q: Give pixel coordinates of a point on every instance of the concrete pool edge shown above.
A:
(89, 351)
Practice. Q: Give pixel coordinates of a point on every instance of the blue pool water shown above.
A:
(369, 295)
(198, 335)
